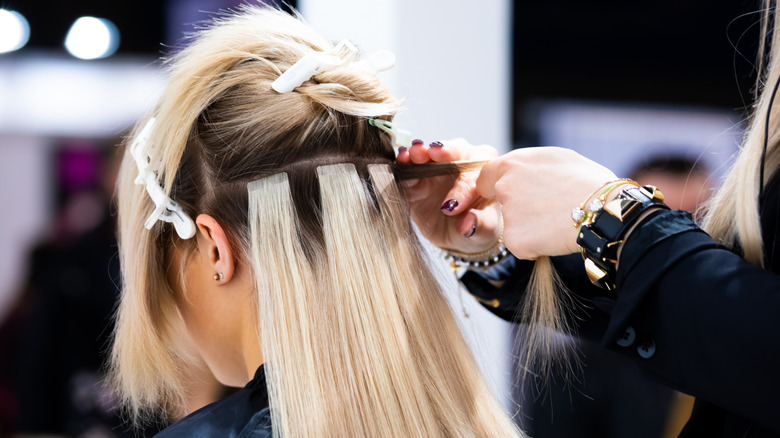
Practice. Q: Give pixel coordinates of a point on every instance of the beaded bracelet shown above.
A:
(480, 260)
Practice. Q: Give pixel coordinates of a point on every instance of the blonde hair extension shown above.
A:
(288, 305)
(426, 308)
(359, 273)
(379, 349)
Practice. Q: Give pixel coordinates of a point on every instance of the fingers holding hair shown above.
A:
(463, 193)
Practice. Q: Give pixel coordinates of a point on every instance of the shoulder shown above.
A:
(244, 414)
(221, 419)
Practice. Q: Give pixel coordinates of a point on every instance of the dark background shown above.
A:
(144, 25)
(667, 51)
(690, 52)
(141, 23)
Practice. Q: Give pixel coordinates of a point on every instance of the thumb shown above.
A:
(462, 194)
(485, 183)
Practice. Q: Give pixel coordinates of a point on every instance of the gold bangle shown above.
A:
(597, 204)
(580, 215)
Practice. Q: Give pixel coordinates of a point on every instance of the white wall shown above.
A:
(453, 60)
(453, 72)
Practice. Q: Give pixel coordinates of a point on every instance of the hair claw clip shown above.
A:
(166, 209)
(401, 136)
(312, 64)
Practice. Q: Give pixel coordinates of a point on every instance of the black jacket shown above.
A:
(696, 316)
(244, 414)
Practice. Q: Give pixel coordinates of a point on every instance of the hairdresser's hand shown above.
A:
(448, 211)
(537, 189)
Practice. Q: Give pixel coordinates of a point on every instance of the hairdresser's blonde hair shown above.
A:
(357, 337)
(732, 216)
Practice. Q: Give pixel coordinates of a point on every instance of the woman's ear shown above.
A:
(215, 247)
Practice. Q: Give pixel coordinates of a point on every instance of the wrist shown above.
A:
(601, 238)
(585, 212)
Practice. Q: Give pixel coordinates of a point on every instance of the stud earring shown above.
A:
(218, 276)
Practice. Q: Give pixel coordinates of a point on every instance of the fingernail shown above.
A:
(401, 149)
(417, 142)
(449, 205)
(437, 144)
(472, 230)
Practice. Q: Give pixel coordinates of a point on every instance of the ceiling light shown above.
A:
(92, 38)
(14, 31)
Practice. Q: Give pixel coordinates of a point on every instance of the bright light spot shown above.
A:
(92, 38)
(14, 31)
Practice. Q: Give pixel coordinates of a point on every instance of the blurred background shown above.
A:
(655, 90)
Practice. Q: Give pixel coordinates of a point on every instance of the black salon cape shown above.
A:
(244, 414)
(695, 315)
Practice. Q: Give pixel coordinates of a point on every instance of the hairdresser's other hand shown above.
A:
(537, 189)
(448, 211)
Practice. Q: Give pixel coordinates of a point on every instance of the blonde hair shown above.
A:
(732, 216)
(357, 337)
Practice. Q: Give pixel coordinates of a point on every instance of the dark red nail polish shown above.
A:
(417, 142)
(449, 205)
(472, 231)
(437, 144)
(402, 149)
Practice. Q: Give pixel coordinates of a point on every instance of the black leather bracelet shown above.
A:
(601, 237)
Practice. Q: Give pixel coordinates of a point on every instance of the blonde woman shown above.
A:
(261, 223)
(698, 307)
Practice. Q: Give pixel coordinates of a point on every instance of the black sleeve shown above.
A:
(693, 313)
(702, 319)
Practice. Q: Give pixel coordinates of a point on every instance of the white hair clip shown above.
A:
(379, 61)
(166, 209)
(312, 64)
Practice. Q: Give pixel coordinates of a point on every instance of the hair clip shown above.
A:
(377, 62)
(166, 209)
(312, 64)
(400, 136)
